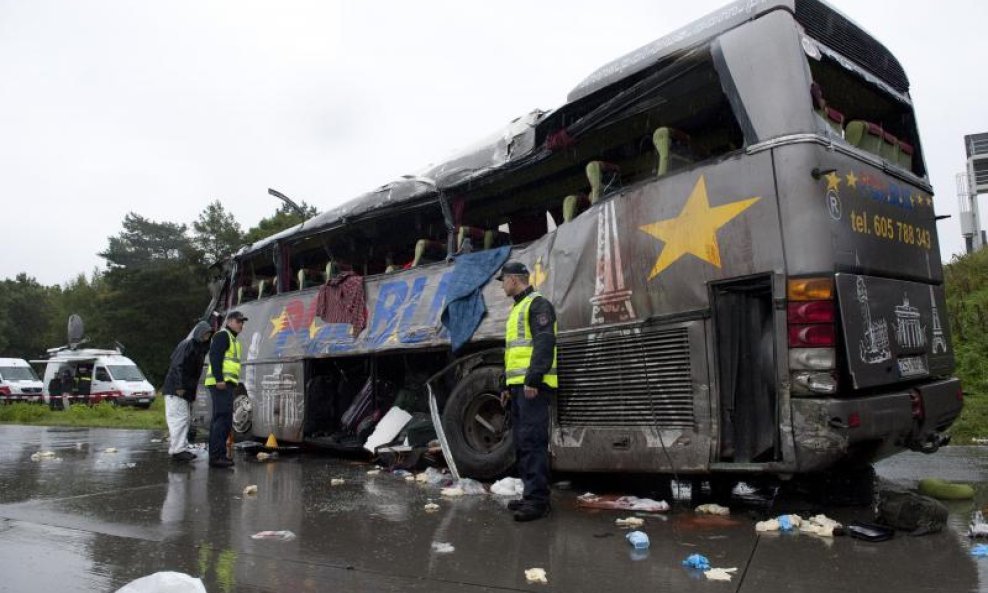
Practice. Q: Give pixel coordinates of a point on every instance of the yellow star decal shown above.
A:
(833, 181)
(538, 273)
(313, 328)
(278, 323)
(694, 230)
(852, 180)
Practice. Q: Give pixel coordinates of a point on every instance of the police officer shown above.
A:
(222, 378)
(530, 378)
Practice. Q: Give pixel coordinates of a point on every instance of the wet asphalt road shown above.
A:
(95, 521)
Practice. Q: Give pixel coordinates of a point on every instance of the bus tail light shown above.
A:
(916, 403)
(811, 313)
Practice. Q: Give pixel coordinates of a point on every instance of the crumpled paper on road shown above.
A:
(536, 575)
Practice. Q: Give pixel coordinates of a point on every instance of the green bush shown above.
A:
(103, 414)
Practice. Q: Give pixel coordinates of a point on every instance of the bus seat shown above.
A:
(428, 251)
(905, 155)
(866, 135)
(308, 277)
(835, 119)
(604, 178)
(266, 287)
(240, 295)
(476, 235)
(673, 148)
(890, 147)
(573, 205)
(495, 238)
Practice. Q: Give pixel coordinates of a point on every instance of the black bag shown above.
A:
(870, 532)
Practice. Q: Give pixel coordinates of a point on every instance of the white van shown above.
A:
(110, 376)
(18, 381)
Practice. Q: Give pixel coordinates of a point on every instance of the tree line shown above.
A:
(150, 294)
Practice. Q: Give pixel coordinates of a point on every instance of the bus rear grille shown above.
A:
(627, 377)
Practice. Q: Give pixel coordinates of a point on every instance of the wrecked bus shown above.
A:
(734, 223)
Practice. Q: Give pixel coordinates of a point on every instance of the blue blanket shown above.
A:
(465, 307)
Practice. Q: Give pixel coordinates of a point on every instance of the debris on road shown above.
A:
(697, 561)
(508, 487)
(944, 490)
(622, 503)
(536, 575)
(712, 509)
(908, 511)
(870, 532)
(110, 450)
(638, 540)
(980, 550)
(337, 482)
(165, 581)
(373, 472)
(780, 523)
(629, 522)
(250, 490)
(978, 527)
(42, 455)
(263, 456)
(719, 574)
(443, 548)
(283, 536)
(821, 525)
(452, 491)
(431, 507)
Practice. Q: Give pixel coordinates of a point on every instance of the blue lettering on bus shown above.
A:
(406, 333)
(384, 319)
(438, 302)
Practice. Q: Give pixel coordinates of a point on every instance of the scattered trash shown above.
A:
(164, 582)
(821, 525)
(536, 575)
(712, 509)
(250, 490)
(638, 540)
(263, 456)
(978, 526)
(980, 550)
(588, 497)
(697, 561)
(110, 450)
(442, 548)
(373, 472)
(431, 507)
(470, 486)
(283, 536)
(629, 522)
(431, 476)
(155, 440)
(622, 503)
(911, 512)
(409, 478)
(944, 490)
(563, 485)
(719, 574)
(337, 482)
(508, 487)
(40, 455)
(743, 489)
(452, 491)
(387, 428)
(780, 523)
(870, 532)
(401, 473)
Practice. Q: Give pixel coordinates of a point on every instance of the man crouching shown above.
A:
(180, 388)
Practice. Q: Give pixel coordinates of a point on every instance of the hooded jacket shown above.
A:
(186, 362)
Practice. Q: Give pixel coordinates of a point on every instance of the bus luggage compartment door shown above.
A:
(744, 322)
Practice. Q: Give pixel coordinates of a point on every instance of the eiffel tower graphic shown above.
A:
(611, 300)
(939, 342)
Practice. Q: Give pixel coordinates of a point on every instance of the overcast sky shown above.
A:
(160, 107)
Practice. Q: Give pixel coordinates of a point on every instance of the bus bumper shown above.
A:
(865, 429)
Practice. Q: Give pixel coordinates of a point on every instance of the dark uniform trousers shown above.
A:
(222, 421)
(530, 423)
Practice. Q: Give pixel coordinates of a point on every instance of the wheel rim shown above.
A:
(241, 414)
(485, 423)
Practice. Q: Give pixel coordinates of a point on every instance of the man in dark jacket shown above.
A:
(180, 388)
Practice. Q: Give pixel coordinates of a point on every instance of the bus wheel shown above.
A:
(477, 427)
(241, 416)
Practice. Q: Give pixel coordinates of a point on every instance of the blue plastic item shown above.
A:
(638, 539)
(785, 523)
(980, 550)
(697, 561)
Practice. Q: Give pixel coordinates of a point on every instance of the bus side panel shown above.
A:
(278, 398)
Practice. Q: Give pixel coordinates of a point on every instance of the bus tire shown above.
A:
(242, 416)
(477, 427)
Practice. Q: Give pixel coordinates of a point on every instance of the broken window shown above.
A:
(257, 276)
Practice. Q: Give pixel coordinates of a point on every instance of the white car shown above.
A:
(111, 376)
(18, 381)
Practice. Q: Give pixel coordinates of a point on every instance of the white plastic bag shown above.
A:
(508, 487)
(164, 582)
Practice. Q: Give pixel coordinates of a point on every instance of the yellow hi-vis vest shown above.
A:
(518, 342)
(231, 363)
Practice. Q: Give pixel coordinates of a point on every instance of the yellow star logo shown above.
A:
(539, 273)
(278, 323)
(929, 201)
(695, 229)
(313, 328)
(833, 181)
(852, 180)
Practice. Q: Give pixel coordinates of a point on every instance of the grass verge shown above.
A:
(102, 415)
(973, 422)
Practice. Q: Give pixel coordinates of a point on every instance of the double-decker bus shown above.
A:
(737, 230)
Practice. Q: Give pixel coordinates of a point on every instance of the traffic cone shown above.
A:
(271, 443)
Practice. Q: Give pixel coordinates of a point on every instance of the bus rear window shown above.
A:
(864, 115)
